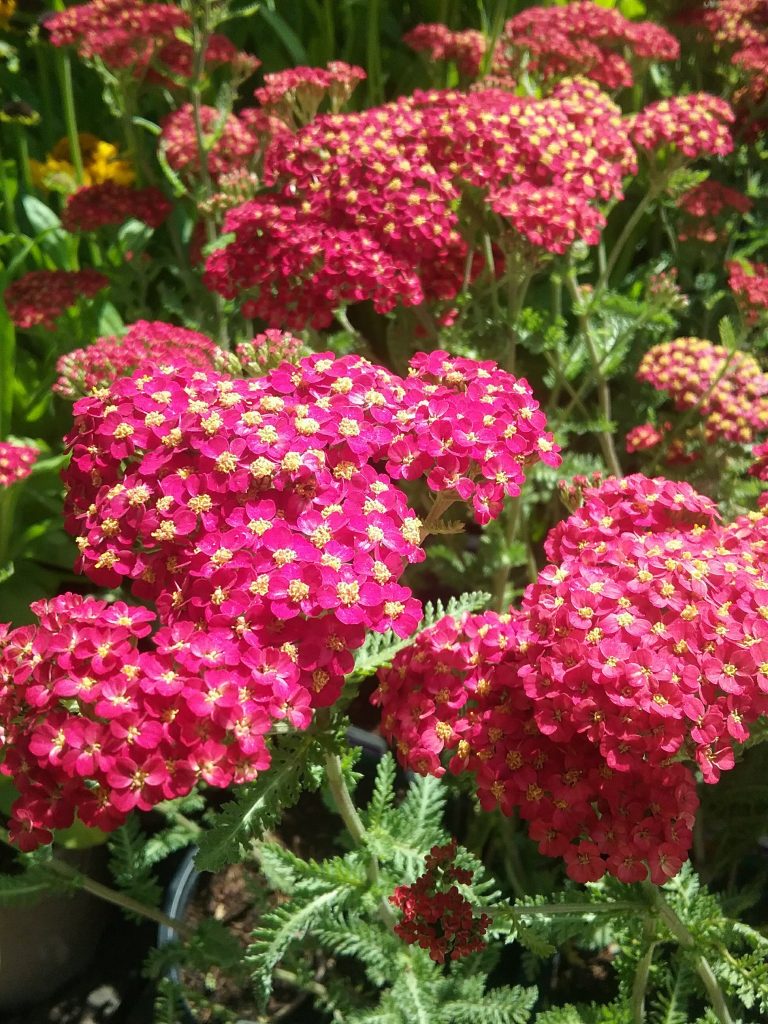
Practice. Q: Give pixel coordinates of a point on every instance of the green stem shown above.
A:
(9, 208)
(511, 525)
(640, 985)
(626, 233)
(688, 942)
(517, 289)
(64, 69)
(23, 148)
(559, 909)
(342, 798)
(491, 264)
(113, 896)
(440, 506)
(603, 390)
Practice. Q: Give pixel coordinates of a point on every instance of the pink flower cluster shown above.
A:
(466, 49)
(365, 205)
(706, 208)
(16, 462)
(645, 641)
(40, 296)
(92, 726)
(109, 204)
(749, 283)
(436, 916)
(550, 218)
(295, 94)
(230, 138)
(760, 466)
(254, 516)
(150, 343)
(646, 437)
(581, 38)
(728, 389)
(695, 125)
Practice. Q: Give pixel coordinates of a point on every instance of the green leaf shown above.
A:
(46, 226)
(380, 648)
(497, 1006)
(286, 35)
(259, 805)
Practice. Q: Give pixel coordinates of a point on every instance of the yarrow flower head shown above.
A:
(16, 462)
(466, 49)
(263, 353)
(295, 94)
(580, 38)
(749, 283)
(234, 141)
(106, 205)
(728, 388)
(436, 915)
(644, 640)
(694, 125)
(40, 296)
(551, 218)
(152, 343)
(706, 209)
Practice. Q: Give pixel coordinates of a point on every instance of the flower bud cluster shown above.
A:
(109, 204)
(90, 370)
(436, 916)
(41, 296)
(727, 388)
(644, 643)
(16, 462)
(295, 94)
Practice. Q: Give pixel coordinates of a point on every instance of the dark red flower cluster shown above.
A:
(121, 33)
(436, 916)
(695, 125)
(581, 38)
(97, 206)
(232, 142)
(645, 640)
(151, 343)
(707, 207)
(749, 283)
(295, 94)
(728, 389)
(93, 727)
(647, 436)
(16, 462)
(40, 296)
(466, 49)
(365, 205)
(173, 62)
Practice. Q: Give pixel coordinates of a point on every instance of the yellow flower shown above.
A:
(101, 162)
(7, 10)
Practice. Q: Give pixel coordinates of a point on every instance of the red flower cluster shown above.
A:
(728, 388)
(749, 283)
(435, 914)
(695, 125)
(466, 49)
(295, 94)
(93, 727)
(645, 640)
(172, 63)
(760, 466)
(706, 208)
(365, 205)
(109, 204)
(232, 140)
(41, 296)
(645, 437)
(581, 38)
(91, 370)
(122, 33)
(16, 462)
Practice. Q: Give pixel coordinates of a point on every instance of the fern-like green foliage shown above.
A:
(380, 648)
(260, 804)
